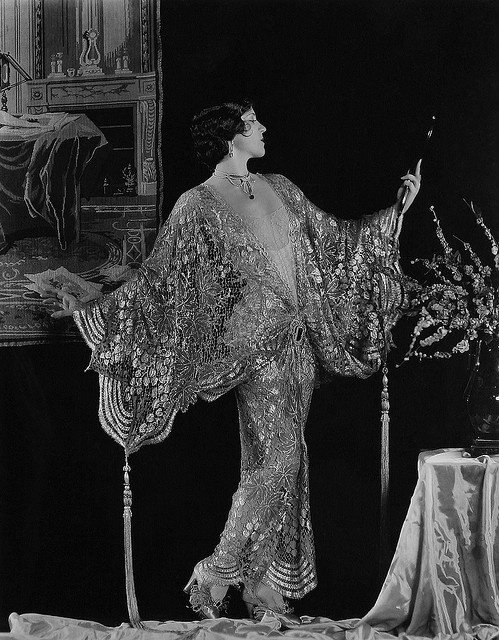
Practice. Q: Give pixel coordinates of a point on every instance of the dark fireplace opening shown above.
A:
(112, 171)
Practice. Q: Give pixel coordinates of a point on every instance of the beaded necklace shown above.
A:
(243, 182)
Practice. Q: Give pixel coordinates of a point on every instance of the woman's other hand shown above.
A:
(413, 183)
(67, 302)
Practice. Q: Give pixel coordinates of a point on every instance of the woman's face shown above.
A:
(251, 140)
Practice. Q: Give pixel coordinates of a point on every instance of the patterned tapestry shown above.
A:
(78, 183)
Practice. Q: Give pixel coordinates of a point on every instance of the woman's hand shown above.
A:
(67, 302)
(413, 183)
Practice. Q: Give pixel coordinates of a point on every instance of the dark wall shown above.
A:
(347, 90)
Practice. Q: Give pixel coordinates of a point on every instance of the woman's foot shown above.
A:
(206, 599)
(270, 598)
(267, 599)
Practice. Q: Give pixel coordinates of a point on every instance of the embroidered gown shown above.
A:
(268, 309)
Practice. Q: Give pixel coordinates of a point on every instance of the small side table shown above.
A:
(443, 576)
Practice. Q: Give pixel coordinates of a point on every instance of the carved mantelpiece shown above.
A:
(82, 94)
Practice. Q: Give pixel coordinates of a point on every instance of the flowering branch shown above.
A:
(463, 302)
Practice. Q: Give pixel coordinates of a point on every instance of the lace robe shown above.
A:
(210, 310)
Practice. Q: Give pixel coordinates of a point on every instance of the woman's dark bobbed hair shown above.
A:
(213, 128)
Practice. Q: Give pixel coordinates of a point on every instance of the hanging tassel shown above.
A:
(133, 611)
(385, 471)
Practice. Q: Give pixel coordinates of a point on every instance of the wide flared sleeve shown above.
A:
(160, 340)
(351, 284)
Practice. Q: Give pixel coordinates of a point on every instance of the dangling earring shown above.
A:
(231, 150)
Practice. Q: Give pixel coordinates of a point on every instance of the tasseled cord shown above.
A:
(385, 470)
(133, 610)
(131, 598)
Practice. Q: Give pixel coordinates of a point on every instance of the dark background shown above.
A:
(346, 90)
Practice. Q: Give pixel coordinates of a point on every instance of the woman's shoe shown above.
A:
(257, 609)
(201, 600)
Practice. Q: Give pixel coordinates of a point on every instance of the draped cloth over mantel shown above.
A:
(40, 171)
(208, 311)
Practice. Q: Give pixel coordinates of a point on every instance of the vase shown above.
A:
(482, 398)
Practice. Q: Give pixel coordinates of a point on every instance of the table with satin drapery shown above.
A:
(443, 577)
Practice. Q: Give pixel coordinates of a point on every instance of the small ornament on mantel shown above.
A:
(90, 55)
(106, 187)
(56, 66)
(122, 64)
(59, 63)
(130, 178)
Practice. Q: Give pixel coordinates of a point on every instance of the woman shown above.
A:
(249, 286)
